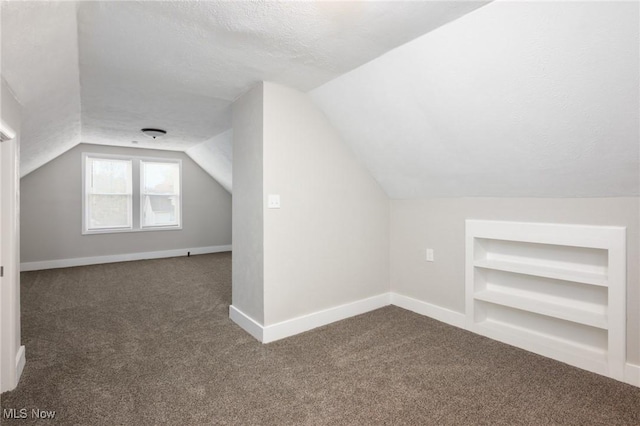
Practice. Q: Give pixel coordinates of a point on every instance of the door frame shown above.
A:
(11, 352)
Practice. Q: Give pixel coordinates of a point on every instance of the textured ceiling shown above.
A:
(179, 65)
(40, 64)
(532, 99)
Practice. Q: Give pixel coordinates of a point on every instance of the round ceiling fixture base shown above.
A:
(154, 133)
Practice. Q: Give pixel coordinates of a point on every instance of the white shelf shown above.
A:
(592, 317)
(544, 271)
(583, 356)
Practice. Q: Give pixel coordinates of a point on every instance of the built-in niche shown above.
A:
(556, 290)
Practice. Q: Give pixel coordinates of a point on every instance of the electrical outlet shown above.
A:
(273, 201)
(429, 255)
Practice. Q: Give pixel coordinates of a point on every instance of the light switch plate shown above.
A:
(273, 201)
(429, 255)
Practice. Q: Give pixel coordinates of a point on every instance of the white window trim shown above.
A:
(85, 196)
(136, 174)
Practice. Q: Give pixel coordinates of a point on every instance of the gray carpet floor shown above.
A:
(150, 342)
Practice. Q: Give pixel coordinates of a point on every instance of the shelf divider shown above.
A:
(590, 317)
(544, 271)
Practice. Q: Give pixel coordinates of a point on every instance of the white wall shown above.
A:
(248, 218)
(439, 223)
(51, 211)
(328, 243)
(11, 353)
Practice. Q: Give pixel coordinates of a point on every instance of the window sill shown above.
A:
(127, 230)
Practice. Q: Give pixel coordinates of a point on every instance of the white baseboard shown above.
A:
(439, 313)
(21, 360)
(298, 325)
(632, 374)
(95, 260)
(308, 322)
(247, 323)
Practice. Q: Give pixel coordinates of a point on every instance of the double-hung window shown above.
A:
(124, 194)
(108, 194)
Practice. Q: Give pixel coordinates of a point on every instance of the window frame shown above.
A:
(86, 187)
(135, 218)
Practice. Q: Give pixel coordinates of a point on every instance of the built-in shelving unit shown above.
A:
(557, 290)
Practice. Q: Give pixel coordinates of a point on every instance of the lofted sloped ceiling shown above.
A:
(40, 64)
(517, 99)
(215, 156)
(115, 67)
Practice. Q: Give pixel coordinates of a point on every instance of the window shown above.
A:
(108, 189)
(112, 183)
(160, 189)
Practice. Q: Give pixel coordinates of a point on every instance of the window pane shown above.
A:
(160, 210)
(110, 176)
(161, 178)
(109, 211)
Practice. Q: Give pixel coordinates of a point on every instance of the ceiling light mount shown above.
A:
(154, 133)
